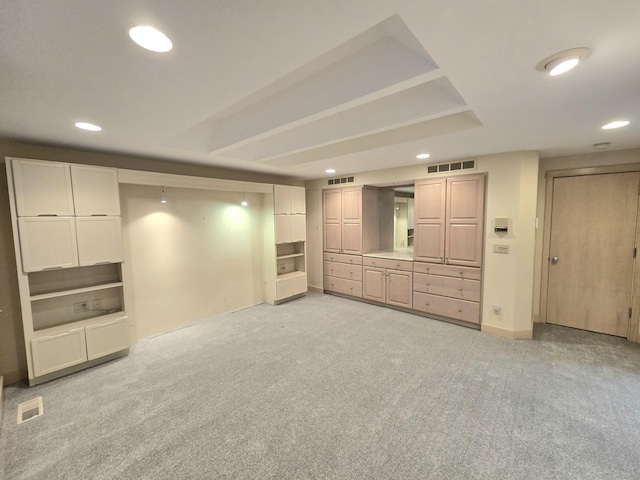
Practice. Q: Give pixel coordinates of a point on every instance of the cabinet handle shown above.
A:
(398, 266)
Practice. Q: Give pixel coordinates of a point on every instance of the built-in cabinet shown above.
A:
(68, 244)
(350, 220)
(285, 243)
(448, 216)
(443, 279)
(388, 281)
(343, 274)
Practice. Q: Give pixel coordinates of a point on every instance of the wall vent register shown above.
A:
(338, 181)
(452, 166)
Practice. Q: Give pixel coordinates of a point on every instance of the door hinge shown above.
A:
(630, 310)
(635, 251)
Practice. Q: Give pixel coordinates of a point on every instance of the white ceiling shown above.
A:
(293, 87)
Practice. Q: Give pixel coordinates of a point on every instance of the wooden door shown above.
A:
(429, 220)
(593, 224)
(373, 284)
(465, 220)
(399, 288)
(332, 220)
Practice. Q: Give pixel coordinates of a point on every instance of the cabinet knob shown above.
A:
(426, 303)
(398, 265)
(428, 284)
(460, 310)
(460, 289)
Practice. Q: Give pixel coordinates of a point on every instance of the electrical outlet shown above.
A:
(96, 304)
(80, 307)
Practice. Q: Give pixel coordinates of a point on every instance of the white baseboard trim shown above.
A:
(503, 332)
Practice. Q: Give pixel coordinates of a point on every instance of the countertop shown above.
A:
(397, 254)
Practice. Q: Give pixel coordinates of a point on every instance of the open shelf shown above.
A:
(291, 255)
(64, 280)
(64, 293)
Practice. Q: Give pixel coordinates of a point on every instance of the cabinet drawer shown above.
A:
(342, 258)
(447, 307)
(447, 270)
(343, 270)
(448, 286)
(344, 286)
(403, 265)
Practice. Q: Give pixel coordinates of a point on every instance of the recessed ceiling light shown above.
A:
(616, 124)
(330, 170)
(564, 61)
(88, 126)
(423, 155)
(150, 38)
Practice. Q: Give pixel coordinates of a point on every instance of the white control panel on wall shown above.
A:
(500, 248)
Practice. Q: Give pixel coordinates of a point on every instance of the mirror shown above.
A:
(403, 208)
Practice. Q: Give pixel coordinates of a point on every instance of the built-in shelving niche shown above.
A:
(290, 258)
(54, 294)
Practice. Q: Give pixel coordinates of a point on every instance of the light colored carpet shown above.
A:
(325, 387)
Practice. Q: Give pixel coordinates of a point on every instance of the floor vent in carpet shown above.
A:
(30, 410)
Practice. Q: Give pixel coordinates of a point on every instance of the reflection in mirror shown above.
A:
(403, 217)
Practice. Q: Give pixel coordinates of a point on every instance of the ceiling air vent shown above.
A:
(338, 181)
(452, 166)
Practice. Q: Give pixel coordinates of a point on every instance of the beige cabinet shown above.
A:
(42, 188)
(99, 240)
(388, 281)
(289, 214)
(449, 218)
(68, 242)
(447, 290)
(47, 243)
(350, 220)
(343, 274)
(95, 191)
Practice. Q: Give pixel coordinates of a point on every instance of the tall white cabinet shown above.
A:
(68, 245)
(285, 261)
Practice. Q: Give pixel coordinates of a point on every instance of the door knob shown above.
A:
(554, 260)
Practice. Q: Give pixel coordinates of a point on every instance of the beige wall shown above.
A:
(511, 192)
(196, 256)
(189, 299)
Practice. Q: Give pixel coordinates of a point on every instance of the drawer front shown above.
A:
(402, 265)
(343, 270)
(447, 307)
(448, 286)
(344, 286)
(342, 258)
(469, 273)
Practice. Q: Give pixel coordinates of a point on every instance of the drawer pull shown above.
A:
(397, 265)
(427, 304)
(428, 284)
(460, 289)
(460, 310)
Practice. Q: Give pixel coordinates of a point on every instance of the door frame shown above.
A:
(634, 322)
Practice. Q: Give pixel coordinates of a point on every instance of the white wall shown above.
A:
(512, 180)
(196, 256)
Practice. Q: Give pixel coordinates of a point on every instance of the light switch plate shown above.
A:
(498, 248)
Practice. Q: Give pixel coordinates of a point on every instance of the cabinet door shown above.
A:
(56, 352)
(298, 228)
(332, 220)
(465, 220)
(399, 288)
(298, 202)
(47, 242)
(352, 238)
(99, 240)
(283, 228)
(300, 284)
(95, 190)
(106, 338)
(42, 188)
(282, 199)
(374, 283)
(284, 288)
(352, 204)
(429, 219)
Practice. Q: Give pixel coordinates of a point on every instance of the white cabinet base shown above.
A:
(56, 352)
(106, 338)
